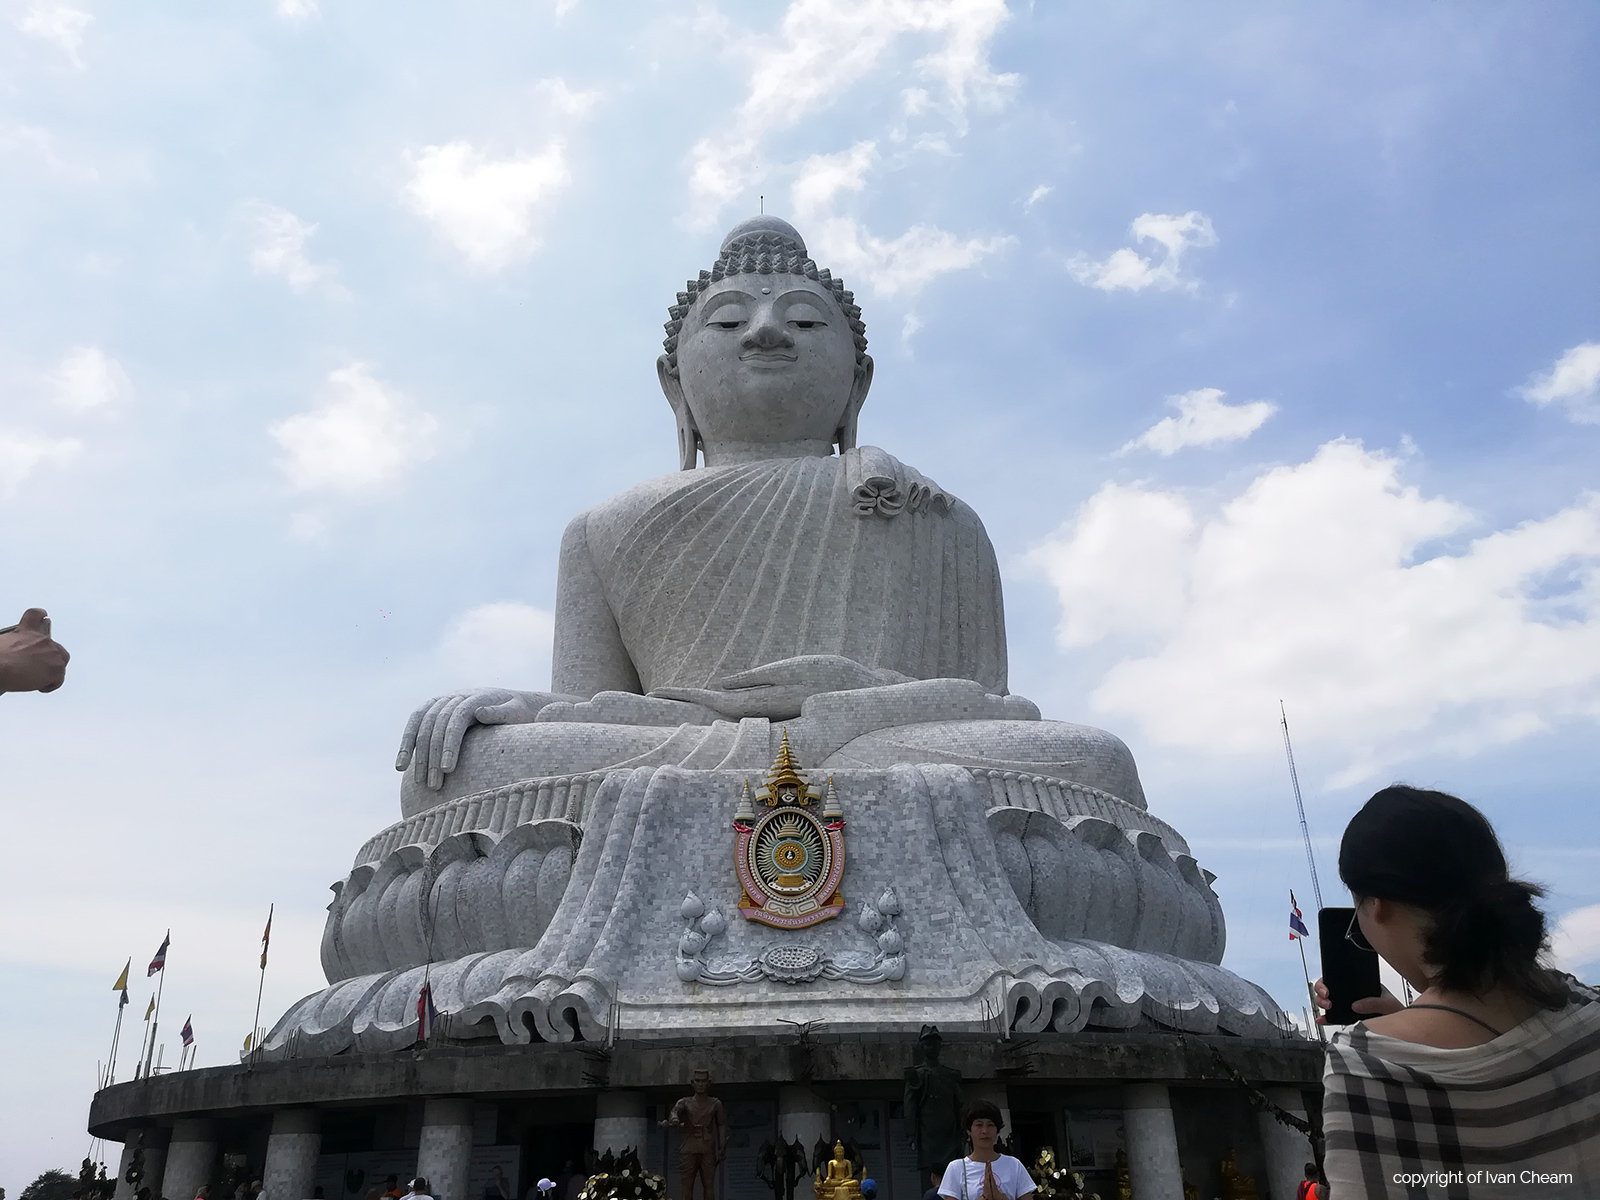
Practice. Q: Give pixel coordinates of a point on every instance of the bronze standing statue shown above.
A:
(933, 1105)
(705, 1136)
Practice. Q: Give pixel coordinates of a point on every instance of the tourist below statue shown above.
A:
(704, 1140)
(784, 573)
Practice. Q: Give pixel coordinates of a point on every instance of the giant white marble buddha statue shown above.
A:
(784, 575)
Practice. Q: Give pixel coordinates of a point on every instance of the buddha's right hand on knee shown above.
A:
(431, 742)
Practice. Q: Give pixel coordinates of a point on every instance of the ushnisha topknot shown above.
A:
(763, 246)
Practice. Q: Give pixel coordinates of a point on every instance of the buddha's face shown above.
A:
(767, 359)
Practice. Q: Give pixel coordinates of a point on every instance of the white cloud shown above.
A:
(278, 246)
(1574, 381)
(889, 266)
(487, 208)
(1317, 586)
(1202, 420)
(567, 100)
(823, 177)
(89, 378)
(1119, 567)
(21, 452)
(909, 327)
(825, 46)
(1038, 194)
(1575, 943)
(364, 435)
(298, 10)
(1128, 270)
(58, 23)
(503, 644)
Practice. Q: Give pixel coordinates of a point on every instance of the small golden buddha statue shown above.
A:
(1124, 1180)
(840, 1182)
(1234, 1185)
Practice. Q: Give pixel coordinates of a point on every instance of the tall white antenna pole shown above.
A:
(1300, 806)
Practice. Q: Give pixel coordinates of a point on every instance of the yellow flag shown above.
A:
(121, 985)
(248, 1038)
(151, 1009)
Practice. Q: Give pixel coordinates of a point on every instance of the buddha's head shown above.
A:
(764, 351)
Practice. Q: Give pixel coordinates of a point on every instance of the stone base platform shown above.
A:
(1164, 1098)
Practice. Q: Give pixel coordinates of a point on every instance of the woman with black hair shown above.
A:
(1486, 1084)
(985, 1173)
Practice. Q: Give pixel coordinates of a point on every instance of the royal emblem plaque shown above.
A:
(788, 856)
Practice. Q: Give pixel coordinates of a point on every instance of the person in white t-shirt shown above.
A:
(985, 1174)
(417, 1190)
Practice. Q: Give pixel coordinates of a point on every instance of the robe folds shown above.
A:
(713, 571)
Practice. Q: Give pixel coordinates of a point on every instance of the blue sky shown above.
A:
(1264, 339)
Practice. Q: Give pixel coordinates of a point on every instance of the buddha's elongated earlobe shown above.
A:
(689, 440)
(845, 435)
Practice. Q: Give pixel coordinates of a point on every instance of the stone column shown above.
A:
(191, 1157)
(620, 1123)
(444, 1155)
(155, 1159)
(1288, 1150)
(292, 1151)
(1153, 1167)
(807, 1116)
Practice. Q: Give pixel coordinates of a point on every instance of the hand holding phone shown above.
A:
(1350, 972)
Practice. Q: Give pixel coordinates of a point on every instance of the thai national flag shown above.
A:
(1297, 925)
(160, 960)
(188, 1031)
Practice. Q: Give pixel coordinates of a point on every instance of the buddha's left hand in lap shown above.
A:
(778, 690)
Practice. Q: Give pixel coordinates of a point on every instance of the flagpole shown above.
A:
(160, 987)
(1310, 991)
(138, 1066)
(255, 1026)
(111, 1067)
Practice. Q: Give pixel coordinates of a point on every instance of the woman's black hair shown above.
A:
(981, 1110)
(1436, 851)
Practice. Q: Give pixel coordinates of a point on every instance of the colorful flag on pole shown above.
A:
(266, 937)
(121, 985)
(248, 1039)
(1297, 924)
(425, 1012)
(188, 1030)
(150, 1009)
(160, 960)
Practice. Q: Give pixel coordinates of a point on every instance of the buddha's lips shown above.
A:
(768, 356)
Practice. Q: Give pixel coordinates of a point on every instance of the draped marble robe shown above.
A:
(683, 580)
(714, 571)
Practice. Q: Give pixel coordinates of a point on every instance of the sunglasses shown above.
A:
(1356, 938)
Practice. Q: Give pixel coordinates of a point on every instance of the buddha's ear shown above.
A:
(689, 443)
(845, 435)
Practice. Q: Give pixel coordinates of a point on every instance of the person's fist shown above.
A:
(29, 660)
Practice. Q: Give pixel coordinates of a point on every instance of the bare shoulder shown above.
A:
(1430, 1027)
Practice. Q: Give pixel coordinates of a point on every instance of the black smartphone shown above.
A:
(1350, 972)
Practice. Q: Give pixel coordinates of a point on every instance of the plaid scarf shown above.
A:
(1518, 1116)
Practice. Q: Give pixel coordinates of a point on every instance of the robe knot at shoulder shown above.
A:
(881, 485)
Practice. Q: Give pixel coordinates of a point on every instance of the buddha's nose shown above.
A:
(767, 332)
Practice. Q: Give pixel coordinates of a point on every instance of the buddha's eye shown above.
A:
(806, 316)
(729, 316)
